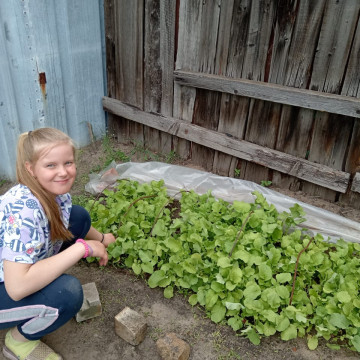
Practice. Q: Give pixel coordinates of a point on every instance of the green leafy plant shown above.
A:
(112, 154)
(266, 183)
(246, 264)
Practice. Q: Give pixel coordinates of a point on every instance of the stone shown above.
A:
(91, 306)
(130, 326)
(170, 347)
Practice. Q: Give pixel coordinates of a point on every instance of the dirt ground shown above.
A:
(118, 288)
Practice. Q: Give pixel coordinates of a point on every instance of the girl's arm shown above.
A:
(22, 280)
(97, 235)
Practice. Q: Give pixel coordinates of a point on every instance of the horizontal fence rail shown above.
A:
(288, 164)
(308, 99)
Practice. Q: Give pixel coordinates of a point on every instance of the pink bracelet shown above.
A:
(88, 249)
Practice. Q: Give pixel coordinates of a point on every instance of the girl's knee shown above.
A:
(79, 222)
(70, 289)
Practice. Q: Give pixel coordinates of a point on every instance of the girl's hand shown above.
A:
(99, 251)
(108, 239)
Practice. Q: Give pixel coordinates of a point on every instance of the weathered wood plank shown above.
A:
(110, 45)
(265, 132)
(207, 53)
(306, 170)
(356, 183)
(129, 68)
(158, 65)
(206, 115)
(308, 99)
(351, 87)
(189, 16)
(296, 123)
(336, 36)
(152, 70)
(197, 51)
(330, 139)
(222, 161)
(250, 31)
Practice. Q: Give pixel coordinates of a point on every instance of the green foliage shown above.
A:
(81, 200)
(112, 154)
(188, 250)
(266, 183)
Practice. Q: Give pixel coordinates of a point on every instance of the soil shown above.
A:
(96, 338)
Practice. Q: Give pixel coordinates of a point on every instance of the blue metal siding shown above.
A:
(52, 66)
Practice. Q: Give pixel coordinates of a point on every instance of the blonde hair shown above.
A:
(31, 146)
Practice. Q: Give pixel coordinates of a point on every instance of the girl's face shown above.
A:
(55, 170)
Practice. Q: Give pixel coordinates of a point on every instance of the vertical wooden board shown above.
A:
(293, 138)
(110, 49)
(353, 165)
(167, 59)
(187, 55)
(197, 44)
(184, 98)
(225, 23)
(333, 133)
(336, 36)
(152, 70)
(232, 122)
(267, 115)
(263, 132)
(351, 87)
(129, 58)
(296, 123)
(206, 114)
(158, 68)
(210, 39)
(109, 14)
(234, 27)
(251, 25)
(335, 41)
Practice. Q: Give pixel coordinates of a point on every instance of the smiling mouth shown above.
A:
(62, 181)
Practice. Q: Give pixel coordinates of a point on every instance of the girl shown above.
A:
(41, 236)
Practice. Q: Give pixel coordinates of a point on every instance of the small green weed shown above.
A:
(111, 154)
(171, 157)
(237, 173)
(266, 183)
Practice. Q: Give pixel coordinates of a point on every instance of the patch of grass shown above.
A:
(156, 333)
(231, 355)
(112, 154)
(171, 157)
(147, 155)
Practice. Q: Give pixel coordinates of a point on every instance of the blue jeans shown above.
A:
(51, 307)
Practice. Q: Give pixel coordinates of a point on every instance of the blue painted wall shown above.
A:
(52, 71)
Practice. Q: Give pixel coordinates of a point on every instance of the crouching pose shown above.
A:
(41, 236)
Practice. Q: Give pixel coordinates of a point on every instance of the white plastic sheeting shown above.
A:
(176, 178)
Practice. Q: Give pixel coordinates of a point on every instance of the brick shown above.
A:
(170, 347)
(91, 306)
(130, 326)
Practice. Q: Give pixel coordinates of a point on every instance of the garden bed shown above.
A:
(119, 287)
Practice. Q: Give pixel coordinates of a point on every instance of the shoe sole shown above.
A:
(8, 353)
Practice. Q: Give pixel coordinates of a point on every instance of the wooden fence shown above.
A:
(261, 89)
